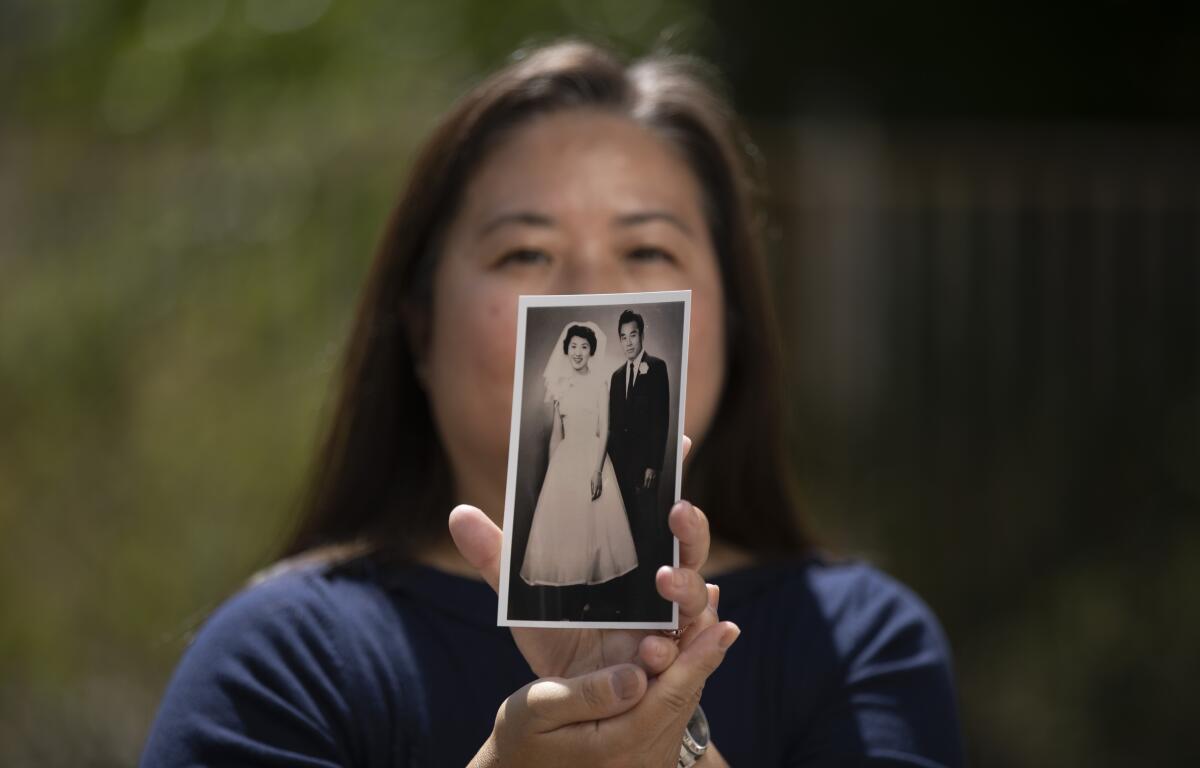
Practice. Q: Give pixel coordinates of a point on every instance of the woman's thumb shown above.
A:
(479, 541)
(555, 702)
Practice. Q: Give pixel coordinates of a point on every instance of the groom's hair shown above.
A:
(583, 332)
(629, 316)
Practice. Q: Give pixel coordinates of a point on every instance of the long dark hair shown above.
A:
(382, 479)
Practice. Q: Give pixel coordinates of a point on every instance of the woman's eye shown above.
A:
(522, 256)
(649, 253)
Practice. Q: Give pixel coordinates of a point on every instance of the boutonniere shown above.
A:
(643, 368)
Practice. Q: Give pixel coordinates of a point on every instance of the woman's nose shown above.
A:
(591, 269)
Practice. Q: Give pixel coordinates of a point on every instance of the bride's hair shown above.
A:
(382, 476)
(582, 332)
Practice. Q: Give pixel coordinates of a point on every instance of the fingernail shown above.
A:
(716, 596)
(625, 683)
(728, 638)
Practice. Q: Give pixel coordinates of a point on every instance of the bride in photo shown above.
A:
(579, 534)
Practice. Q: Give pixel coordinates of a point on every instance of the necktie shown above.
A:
(628, 378)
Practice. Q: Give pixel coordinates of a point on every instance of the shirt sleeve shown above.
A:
(261, 685)
(893, 701)
(661, 414)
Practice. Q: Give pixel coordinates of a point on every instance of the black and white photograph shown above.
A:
(595, 459)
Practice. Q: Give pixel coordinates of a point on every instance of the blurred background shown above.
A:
(985, 231)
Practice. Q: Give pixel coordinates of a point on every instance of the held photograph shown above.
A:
(594, 460)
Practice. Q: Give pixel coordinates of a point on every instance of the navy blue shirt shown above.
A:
(357, 665)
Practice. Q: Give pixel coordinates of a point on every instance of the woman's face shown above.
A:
(578, 201)
(578, 352)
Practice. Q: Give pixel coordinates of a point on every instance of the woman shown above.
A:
(579, 534)
(376, 642)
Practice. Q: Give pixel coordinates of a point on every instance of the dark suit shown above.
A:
(637, 424)
(637, 441)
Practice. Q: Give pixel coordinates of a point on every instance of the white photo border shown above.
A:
(524, 304)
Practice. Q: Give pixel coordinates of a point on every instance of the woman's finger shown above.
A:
(690, 526)
(683, 586)
(479, 540)
(687, 446)
(677, 689)
(706, 619)
(656, 653)
(554, 702)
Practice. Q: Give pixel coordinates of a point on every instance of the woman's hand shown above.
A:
(570, 652)
(597, 485)
(613, 716)
(573, 652)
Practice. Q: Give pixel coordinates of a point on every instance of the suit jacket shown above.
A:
(637, 425)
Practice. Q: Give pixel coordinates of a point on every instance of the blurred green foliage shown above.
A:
(190, 192)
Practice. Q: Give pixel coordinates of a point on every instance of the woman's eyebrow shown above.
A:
(527, 218)
(642, 217)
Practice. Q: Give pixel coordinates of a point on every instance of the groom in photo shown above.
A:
(638, 413)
